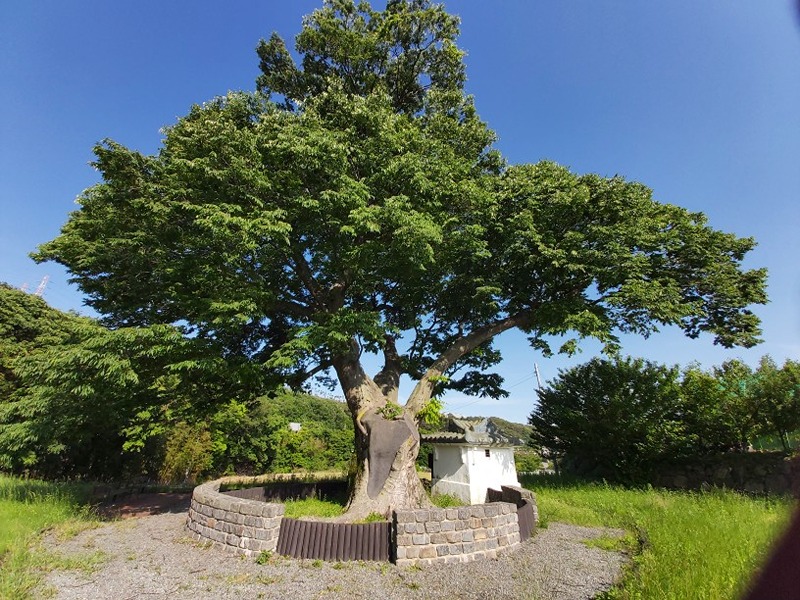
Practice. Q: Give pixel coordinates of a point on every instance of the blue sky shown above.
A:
(698, 100)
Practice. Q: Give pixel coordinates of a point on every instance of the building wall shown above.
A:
(466, 472)
(450, 471)
(493, 471)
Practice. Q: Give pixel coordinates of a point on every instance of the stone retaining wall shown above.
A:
(454, 535)
(768, 473)
(237, 524)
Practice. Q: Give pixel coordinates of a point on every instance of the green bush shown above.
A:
(611, 419)
(527, 460)
(189, 453)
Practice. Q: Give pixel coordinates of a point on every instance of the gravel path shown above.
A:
(152, 557)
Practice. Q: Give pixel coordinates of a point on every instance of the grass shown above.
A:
(773, 442)
(690, 545)
(446, 500)
(27, 508)
(313, 507)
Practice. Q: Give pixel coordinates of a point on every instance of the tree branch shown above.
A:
(297, 379)
(463, 345)
(306, 276)
(388, 378)
(360, 390)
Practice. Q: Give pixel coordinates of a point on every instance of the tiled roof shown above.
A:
(461, 431)
(444, 437)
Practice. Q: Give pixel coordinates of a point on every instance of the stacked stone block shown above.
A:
(454, 535)
(240, 525)
(770, 473)
(517, 496)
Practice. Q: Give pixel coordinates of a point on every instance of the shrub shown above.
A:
(611, 419)
(189, 453)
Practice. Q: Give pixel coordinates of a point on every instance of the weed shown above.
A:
(312, 507)
(339, 566)
(373, 518)
(45, 561)
(446, 500)
(317, 563)
(71, 528)
(390, 411)
(239, 579)
(268, 579)
(543, 522)
(264, 557)
(610, 543)
(725, 535)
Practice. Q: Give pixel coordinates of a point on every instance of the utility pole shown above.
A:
(42, 284)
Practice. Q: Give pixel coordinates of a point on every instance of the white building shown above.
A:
(469, 458)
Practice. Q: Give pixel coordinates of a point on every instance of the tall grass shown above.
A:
(27, 508)
(691, 545)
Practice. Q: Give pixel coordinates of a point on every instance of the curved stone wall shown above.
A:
(454, 535)
(237, 524)
(416, 537)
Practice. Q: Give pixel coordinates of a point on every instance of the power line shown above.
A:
(467, 404)
(528, 378)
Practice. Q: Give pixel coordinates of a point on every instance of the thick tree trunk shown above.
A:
(385, 476)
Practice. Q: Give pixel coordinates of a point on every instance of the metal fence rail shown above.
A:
(334, 541)
(526, 520)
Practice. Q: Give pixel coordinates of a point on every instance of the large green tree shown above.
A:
(775, 394)
(27, 325)
(354, 204)
(79, 399)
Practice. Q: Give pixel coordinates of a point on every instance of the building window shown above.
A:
(487, 453)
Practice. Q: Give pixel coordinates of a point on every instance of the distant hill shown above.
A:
(305, 407)
(513, 430)
(516, 432)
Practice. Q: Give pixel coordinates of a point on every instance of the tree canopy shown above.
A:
(625, 419)
(355, 204)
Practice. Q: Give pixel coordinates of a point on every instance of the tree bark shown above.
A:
(384, 476)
